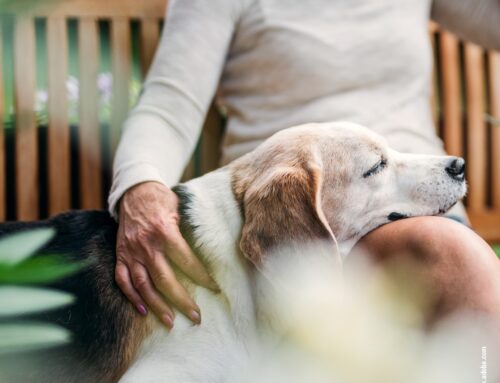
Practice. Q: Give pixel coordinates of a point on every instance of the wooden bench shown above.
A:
(44, 171)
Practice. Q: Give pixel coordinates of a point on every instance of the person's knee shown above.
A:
(439, 235)
(457, 265)
(445, 240)
(427, 239)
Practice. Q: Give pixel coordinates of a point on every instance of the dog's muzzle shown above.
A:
(456, 169)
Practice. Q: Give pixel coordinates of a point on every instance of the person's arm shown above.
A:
(161, 132)
(158, 138)
(475, 20)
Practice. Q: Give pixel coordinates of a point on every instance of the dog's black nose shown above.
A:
(456, 169)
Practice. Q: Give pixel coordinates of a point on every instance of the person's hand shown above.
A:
(148, 235)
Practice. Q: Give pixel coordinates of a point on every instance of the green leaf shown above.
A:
(496, 248)
(26, 300)
(41, 269)
(17, 247)
(28, 336)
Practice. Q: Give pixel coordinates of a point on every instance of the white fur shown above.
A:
(221, 346)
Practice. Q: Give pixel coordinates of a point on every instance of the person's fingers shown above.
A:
(143, 284)
(165, 281)
(124, 282)
(179, 253)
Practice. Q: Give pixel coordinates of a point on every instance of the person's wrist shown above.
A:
(141, 188)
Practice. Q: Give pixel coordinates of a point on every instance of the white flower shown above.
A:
(72, 87)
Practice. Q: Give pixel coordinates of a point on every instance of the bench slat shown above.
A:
(211, 141)
(494, 75)
(434, 99)
(3, 174)
(58, 139)
(89, 130)
(150, 37)
(121, 55)
(26, 131)
(476, 127)
(451, 91)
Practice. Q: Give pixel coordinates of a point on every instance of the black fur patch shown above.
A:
(186, 226)
(101, 316)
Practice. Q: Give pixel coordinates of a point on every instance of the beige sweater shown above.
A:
(278, 63)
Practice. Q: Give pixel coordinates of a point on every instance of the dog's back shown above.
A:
(106, 329)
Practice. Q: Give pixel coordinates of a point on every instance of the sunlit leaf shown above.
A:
(496, 248)
(25, 300)
(28, 336)
(17, 247)
(40, 269)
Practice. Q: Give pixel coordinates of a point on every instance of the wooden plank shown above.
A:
(476, 127)
(487, 225)
(451, 92)
(434, 99)
(26, 133)
(211, 141)
(89, 132)
(121, 56)
(150, 37)
(58, 138)
(89, 8)
(3, 173)
(494, 75)
(189, 172)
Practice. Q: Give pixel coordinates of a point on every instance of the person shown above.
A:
(275, 64)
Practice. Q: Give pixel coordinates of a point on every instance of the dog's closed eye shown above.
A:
(376, 168)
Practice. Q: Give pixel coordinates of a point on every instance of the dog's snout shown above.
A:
(456, 168)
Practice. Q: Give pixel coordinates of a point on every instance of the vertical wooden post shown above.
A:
(476, 127)
(3, 174)
(211, 141)
(26, 130)
(121, 69)
(58, 133)
(89, 133)
(150, 36)
(451, 94)
(494, 75)
(434, 100)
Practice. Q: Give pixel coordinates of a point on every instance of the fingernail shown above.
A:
(168, 321)
(142, 310)
(195, 316)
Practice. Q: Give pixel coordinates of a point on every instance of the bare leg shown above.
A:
(459, 267)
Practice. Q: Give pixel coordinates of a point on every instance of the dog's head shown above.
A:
(335, 182)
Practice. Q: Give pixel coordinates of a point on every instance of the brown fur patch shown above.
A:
(138, 330)
(279, 191)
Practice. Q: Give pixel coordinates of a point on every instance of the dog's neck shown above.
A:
(211, 222)
(210, 217)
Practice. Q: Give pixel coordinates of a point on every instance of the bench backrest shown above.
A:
(52, 166)
(466, 104)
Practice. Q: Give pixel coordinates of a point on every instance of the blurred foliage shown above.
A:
(496, 248)
(23, 5)
(19, 267)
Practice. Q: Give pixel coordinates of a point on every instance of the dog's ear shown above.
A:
(282, 207)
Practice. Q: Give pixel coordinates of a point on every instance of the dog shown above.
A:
(327, 182)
